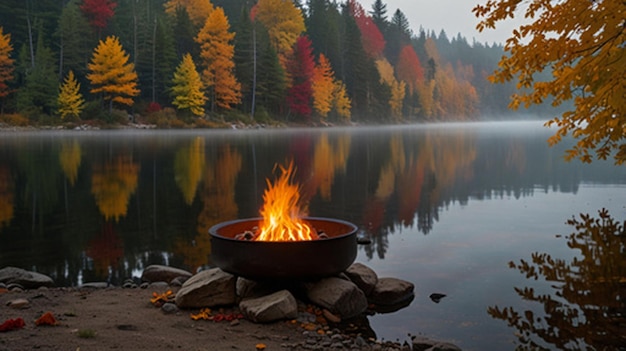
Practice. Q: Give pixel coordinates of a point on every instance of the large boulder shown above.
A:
(274, 307)
(339, 296)
(363, 276)
(159, 273)
(24, 278)
(209, 288)
(391, 291)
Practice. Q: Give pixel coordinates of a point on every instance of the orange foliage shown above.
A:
(6, 63)
(46, 319)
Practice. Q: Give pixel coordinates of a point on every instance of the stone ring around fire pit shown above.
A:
(282, 260)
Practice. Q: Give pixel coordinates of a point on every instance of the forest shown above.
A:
(176, 63)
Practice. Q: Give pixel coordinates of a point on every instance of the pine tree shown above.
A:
(6, 66)
(112, 74)
(187, 88)
(74, 39)
(70, 101)
(216, 53)
(39, 91)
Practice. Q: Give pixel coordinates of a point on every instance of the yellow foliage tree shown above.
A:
(188, 165)
(323, 86)
(188, 88)
(397, 88)
(70, 100)
(6, 63)
(70, 158)
(112, 74)
(112, 184)
(197, 10)
(582, 43)
(284, 23)
(216, 52)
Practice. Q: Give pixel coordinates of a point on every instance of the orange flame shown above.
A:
(282, 211)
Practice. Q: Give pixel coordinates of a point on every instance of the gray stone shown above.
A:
(209, 288)
(425, 344)
(277, 306)
(19, 304)
(27, 279)
(391, 291)
(159, 273)
(363, 276)
(95, 285)
(169, 308)
(339, 296)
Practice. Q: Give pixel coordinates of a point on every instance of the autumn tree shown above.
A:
(99, 12)
(187, 89)
(342, 104)
(371, 37)
(396, 87)
(216, 53)
(197, 10)
(322, 86)
(111, 73)
(6, 66)
(284, 23)
(70, 101)
(300, 68)
(582, 42)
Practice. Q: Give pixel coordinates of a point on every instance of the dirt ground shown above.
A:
(125, 319)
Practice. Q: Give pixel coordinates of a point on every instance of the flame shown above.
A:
(282, 211)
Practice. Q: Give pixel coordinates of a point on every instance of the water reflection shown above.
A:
(159, 192)
(584, 305)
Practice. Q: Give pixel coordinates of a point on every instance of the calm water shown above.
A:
(447, 207)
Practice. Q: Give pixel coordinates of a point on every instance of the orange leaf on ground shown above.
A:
(46, 319)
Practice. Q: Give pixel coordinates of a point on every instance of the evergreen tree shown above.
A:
(74, 35)
(379, 15)
(271, 81)
(39, 92)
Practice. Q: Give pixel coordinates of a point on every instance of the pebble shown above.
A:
(19, 304)
(169, 308)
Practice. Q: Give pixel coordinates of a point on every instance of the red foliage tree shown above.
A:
(301, 68)
(98, 12)
(409, 68)
(371, 37)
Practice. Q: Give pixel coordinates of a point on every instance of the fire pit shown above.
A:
(280, 260)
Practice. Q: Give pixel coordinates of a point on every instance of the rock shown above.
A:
(436, 297)
(27, 279)
(363, 276)
(156, 273)
(339, 296)
(391, 291)
(169, 308)
(426, 344)
(95, 285)
(209, 288)
(19, 304)
(277, 306)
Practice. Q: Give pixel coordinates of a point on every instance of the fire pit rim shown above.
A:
(213, 231)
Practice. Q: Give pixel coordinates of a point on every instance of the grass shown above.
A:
(86, 333)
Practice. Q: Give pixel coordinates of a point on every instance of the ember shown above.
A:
(252, 235)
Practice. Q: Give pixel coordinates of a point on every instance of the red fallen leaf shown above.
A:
(12, 324)
(46, 319)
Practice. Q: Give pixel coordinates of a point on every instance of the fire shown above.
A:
(283, 211)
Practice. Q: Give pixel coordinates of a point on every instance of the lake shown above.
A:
(473, 211)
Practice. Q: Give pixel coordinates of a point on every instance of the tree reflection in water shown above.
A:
(587, 309)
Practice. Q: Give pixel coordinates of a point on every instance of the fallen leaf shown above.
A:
(46, 319)
(12, 324)
(260, 347)
(159, 299)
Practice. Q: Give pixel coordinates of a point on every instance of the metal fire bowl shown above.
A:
(263, 260)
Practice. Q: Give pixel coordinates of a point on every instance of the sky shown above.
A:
(453, 16)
